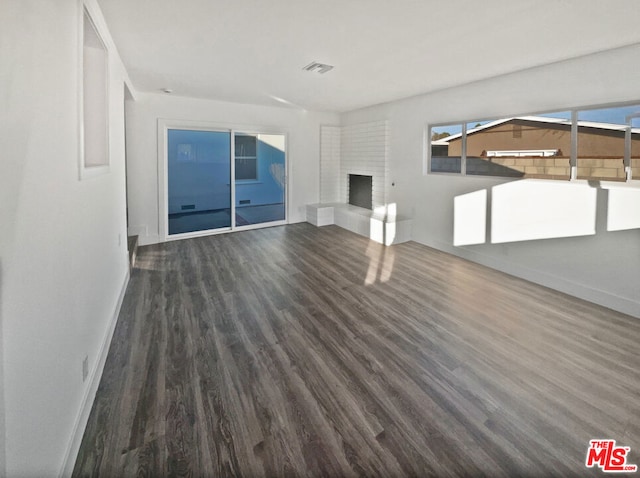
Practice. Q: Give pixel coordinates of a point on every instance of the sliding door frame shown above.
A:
(164, 125)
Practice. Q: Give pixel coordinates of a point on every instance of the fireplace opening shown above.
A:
(360, 190)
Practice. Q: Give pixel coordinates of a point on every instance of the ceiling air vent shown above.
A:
(321, 68)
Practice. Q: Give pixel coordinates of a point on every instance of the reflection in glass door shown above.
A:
(260, 177)
(199, 180)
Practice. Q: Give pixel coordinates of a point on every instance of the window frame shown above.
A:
(255, 157)
(427, 152)
(628, 148)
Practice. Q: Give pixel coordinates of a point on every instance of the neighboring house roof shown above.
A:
(536, 119)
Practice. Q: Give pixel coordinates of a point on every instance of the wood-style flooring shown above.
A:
(304, 351)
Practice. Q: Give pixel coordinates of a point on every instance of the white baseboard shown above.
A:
(94, 381)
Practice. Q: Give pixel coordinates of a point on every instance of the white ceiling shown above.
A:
(253, 51)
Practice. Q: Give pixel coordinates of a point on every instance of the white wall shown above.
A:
(601, 264)
(303, 149)
(330, 164)
(62, 266)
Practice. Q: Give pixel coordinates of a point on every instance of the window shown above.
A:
(246, 157)
(94, 143)
(603, 142)
(446, 149)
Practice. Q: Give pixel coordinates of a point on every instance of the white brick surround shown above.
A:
(357, 149)
(354, 149)
(363, 150)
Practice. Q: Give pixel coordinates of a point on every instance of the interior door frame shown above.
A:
(164, 125)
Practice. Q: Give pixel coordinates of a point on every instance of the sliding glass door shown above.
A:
(199, 180)
(260, 178)
(208, 191)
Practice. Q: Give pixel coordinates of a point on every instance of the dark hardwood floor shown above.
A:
(304, 351)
